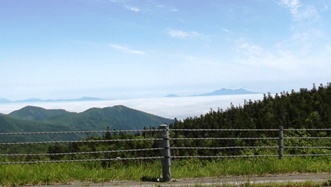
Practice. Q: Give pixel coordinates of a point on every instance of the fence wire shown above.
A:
(238, 138)
(306, 129)
(307, 147)
(79, 132)
(248, 130)
(82, 160)
(221, 156)
(4, 156)
(221, 148)
(223, 130)
(81, 153)
(80, 141)
(308, 137)
(305, 155)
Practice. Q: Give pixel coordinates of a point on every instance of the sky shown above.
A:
(117, 49)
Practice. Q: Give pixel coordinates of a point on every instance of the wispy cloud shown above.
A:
(248, 48)
(252, 54)
(184, 34)
(307, 28)
(173, 10)
(127, 50)
(166, 8)
(132, 8)
(128, 5)
(142, 6)
(293, 5)
(325, 8)
(307, 35)
(227, 31)
(328, 47)
(300, 11)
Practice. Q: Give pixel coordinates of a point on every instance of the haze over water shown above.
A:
(169, 107)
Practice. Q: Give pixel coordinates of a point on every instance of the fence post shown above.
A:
(165, 153)
(280, 142)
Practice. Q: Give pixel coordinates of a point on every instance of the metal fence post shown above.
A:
(165, 153)
(280, 142)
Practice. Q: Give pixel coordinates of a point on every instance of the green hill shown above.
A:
(36, 119)
(117, 117)
(37, 113)
(9, 124)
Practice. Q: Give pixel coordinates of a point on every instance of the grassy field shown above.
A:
(62, 173)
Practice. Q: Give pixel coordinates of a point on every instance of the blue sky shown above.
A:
(148, 48)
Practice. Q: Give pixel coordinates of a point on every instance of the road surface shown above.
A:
(231, 180)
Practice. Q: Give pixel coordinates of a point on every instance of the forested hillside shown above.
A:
(36, 119)
(33, 118)
(33, 113)
(9, 124)
(302, 109)
(116, 117)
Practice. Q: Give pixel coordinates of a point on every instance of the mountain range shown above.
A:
(36, 100)
(225, 91)
(31, 118)
(222, 91)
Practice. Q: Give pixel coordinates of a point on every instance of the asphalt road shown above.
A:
(231, 180)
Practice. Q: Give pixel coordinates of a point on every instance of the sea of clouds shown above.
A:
(169, 107)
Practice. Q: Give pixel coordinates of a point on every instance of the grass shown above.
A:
(62, 173)
(41, 174)
(285, 184)
(258, 166)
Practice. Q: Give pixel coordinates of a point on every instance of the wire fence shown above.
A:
(163, 143)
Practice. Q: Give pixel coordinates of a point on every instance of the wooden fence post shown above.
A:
(280, 142)
(165, 153)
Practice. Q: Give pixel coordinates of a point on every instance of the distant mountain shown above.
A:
(29, 100)
(79, 99)
(3, 100)
(36, 100)
(222, 91)
(88, 99)
(225, 91)
(172, 95)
